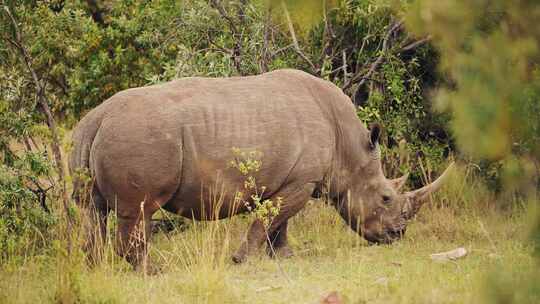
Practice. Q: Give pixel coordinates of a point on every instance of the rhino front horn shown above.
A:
(418, 197)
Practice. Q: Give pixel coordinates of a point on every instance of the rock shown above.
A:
(449, 255)
(332, 298)
(267, 288)
(382, 281)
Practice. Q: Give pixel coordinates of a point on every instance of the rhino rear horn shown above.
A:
(417, 197)
(399, 182)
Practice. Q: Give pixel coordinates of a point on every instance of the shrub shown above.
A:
(24, 224)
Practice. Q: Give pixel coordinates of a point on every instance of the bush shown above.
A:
(24, 224)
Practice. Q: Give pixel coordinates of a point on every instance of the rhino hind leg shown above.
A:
(294, 199)
(277, 245)
(95, 211)
(134, 231)
(132, 237)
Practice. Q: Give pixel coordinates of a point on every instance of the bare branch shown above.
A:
(27, 145)
(236, 53)
(361, 78)
(218, 47)
(281, 50)
(344, 59)
(263, 63)
(219, 7)
(327, 36)
(41, 193)
(362, 46)
(295, 41)
(415, 44)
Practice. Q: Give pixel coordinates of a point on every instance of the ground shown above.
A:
(196, 265)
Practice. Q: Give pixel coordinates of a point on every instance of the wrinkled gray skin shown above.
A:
(168, 146)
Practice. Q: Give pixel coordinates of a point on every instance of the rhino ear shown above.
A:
(374, 133)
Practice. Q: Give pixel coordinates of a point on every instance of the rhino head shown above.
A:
(373, 205)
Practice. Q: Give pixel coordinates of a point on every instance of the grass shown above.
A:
(196, 264)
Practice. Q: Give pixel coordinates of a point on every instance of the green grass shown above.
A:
(197, 268)
(196, 264)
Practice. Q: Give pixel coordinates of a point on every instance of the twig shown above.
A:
(362, 46)
(491, 242)
(295, 41)
(276, 257)
(41, 194)
(280, 50)
(217, 5)
(218, 47)
(236, 53)
(361, 78)
(415, 44)
(263, 63)
(344, 66)
(327, 37)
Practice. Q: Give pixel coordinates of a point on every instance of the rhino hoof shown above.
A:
(239, 258)
(150, 269)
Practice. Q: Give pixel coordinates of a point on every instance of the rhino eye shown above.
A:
(386, 199)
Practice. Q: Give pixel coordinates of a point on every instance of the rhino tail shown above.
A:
(79, 158)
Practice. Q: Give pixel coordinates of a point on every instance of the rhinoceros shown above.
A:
(166, 146)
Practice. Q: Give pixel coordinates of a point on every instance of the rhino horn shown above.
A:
(399, 182)
(417, 197)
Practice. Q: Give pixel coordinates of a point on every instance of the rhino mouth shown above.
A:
(388, 237)
(395, 235)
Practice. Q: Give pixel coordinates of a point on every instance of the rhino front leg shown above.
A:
(255, 238)
(294, 199)
(277, 244)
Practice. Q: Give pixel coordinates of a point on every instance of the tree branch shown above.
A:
(281, 50)
(345, 73)
(237, 35)
(44, 105)
(415, 44)
(295, 41)
(361, 78)
(41, 193)
(263, 62)
(327, 37)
